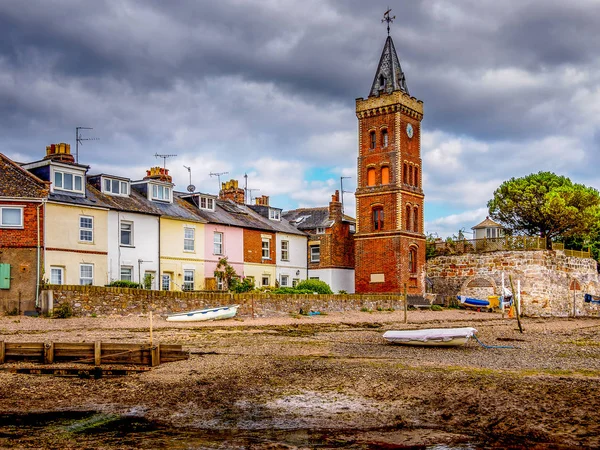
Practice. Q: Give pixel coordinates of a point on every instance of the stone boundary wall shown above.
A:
(552, 284)
(109, 301)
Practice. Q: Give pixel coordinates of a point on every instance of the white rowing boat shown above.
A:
(443, 337)
(223, 312)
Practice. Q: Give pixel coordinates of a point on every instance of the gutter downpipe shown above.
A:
(38, 269)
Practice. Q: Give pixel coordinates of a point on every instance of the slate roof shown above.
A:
(312, 218)
(281, 226)
(389, 69)
(18, 182)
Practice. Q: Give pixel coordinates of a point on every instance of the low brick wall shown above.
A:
(107, 301)
(552, 284)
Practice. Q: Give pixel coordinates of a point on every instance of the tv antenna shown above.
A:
(250, 193)
(191, 187)
(218, 175)
(342, 191)
(164, 157)
(79, 139)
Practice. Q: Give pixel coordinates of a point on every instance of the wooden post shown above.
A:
(150, 328)
(48, 352)
(2, 352)
(97, 353)
(405, 305)
(155, 355)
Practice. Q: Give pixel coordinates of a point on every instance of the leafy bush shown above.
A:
(318, 286)
(12, 312)
(237, 286)
(63, 311)
(436, 308)
(291, 290)
(124, 284)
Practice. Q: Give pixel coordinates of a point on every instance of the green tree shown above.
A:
(545, 204)
(225, 272)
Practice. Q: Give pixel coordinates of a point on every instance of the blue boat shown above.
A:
(589, 298)
(473, 302)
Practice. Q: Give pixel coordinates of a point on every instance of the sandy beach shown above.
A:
(335, 372)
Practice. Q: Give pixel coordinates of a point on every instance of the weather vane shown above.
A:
(388, 19)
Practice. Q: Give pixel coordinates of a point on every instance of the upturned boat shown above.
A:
(223, 312)
(473, 302)
(436, 337)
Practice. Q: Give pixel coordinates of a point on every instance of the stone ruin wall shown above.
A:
(552, 284)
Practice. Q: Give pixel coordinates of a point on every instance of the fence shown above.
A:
(505, 243)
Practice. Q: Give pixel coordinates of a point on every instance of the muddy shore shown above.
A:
(335, 372)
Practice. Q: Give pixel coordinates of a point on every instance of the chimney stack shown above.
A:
(158, 173)
(263, 200)
(59, 152)
(335, 208)
(231, 191)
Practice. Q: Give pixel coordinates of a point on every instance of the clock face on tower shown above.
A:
(409, 130)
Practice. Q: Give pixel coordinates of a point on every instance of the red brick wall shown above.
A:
(253, 246)
(388, 256)
(25, 237)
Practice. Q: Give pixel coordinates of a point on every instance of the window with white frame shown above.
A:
(285, 250)
(188, 239)
(126, 273)
(67, 181)
(295, 281)
(315, 253)
(11, 217)
(321, 230)
(274, 214)
(207, 203)
(162, 193)
(285, 280)
(266, 249)
(86, 274)
(115, 187)
(220, 284)
(218, 243)
(127, 233)
(266, 281)
(57, 275)
(86, 229)
(188, 280)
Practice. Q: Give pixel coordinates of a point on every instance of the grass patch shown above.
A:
(584, 342)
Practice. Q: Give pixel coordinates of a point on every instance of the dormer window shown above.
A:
(68, 181)
(381, 82)
(207, 203)
(162, 193)
(274, 214)
(115, 187)
(321, 230)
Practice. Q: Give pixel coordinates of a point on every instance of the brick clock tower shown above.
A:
(389, 239)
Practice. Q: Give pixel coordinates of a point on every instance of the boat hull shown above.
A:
(473, 302)
(225, 312)
(435, 337)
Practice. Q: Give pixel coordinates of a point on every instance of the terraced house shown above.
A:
(22, 214)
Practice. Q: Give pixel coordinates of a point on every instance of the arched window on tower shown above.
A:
(385, 175)
(408, 222)
(377, 218)
(381, 82)
(384, 138)
(412, 260)
(370, 176)
(373, 138)
(404, 174)
(410, 175)
(416, 219)
(416, 176)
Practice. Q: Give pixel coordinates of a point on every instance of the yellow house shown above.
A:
(181, 248)
(76, 244)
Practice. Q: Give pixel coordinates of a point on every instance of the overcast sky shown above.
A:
(268, 88)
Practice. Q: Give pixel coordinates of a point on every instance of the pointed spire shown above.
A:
(389, 76)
